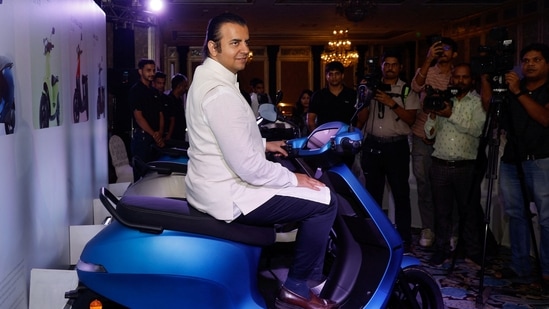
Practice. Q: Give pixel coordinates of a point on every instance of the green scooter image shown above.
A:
(49, 101)
(80, 98)
(7, 100)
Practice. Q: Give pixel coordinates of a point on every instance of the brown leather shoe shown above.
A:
(289, 300)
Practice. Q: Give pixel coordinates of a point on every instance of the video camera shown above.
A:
(374, 75)
(497, 59)
(435, 98)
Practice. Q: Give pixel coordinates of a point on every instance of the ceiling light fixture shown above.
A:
(340, 49)
(356, 10)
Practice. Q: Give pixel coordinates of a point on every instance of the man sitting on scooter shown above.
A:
(228, 174)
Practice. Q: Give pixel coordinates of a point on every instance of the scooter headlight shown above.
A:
(89, 267)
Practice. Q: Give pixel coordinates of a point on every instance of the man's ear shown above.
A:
(212, 47)
(454, 55)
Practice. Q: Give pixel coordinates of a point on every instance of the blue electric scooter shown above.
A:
(161, 252)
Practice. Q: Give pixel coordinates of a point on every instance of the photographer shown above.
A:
(457, 128)
(442, 53)
(386, 153)
(525, 118)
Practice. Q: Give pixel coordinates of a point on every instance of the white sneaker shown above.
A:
(427, 238)
(453, 243)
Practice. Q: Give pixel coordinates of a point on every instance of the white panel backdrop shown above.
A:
(48, 176)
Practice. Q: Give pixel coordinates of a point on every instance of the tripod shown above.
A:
(491, 137)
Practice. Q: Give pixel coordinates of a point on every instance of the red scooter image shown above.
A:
(100, 95)
(49, 101)
(7, 100)
(80, 98)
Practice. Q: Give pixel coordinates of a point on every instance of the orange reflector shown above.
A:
(96, 304)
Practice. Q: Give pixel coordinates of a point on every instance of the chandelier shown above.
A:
(340, 50)
(355, 10)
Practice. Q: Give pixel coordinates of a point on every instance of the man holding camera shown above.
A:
(525, 161)
(435, 72)
(386, 152)
(457, 124)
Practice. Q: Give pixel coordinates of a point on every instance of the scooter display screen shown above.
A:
(321, 137)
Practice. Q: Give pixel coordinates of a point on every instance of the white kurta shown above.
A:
(228, 173)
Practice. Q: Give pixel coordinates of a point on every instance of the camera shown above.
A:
(497, 59)
(435, 98)
(373, 78)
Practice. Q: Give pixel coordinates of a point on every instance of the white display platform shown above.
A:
(79, 235)
(48, 287)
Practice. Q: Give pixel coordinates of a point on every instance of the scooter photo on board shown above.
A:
(80, 98)
(49, 109)
(7, 97)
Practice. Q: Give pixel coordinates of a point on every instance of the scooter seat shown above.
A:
(178, 215)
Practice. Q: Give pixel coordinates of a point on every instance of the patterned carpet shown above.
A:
(460, 287)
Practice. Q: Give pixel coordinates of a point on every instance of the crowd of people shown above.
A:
(402, 121)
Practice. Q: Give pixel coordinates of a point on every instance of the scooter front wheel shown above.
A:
(415, 288)
(9, 124)
(44, 111)
(76, 103)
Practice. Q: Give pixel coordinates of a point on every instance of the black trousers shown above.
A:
(455, 183)
(315, 222)
(391, 161)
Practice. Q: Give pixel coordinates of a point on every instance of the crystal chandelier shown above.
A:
(340, 50)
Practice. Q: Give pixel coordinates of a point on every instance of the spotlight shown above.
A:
(156, 5)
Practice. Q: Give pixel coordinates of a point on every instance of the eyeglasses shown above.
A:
(533, 60)
(446, 47)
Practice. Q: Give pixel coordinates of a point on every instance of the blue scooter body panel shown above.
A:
(194, 272)
(178, 159)
(393, 240)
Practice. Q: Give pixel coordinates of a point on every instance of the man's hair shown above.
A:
(448, 41)
(256, 81)
(159, 74)
(462, 64)
(392, 53)
(143, 62)
(213, 32)
(178, 79)
(334, 66)
(540, 47)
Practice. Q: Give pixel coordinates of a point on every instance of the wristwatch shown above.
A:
(395, 106)
(522, 92)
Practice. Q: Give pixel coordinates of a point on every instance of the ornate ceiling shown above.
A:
(311, 22)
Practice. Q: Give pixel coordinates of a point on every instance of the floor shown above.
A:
(460, 287)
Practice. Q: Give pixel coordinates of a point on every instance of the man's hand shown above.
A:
(513, 82)
(435, 51)
(384, 98)
(277, 147)
(157, 136)
(308, 182)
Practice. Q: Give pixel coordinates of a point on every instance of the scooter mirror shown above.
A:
(268, 112)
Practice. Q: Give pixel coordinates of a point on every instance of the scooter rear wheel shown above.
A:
(415, 286)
